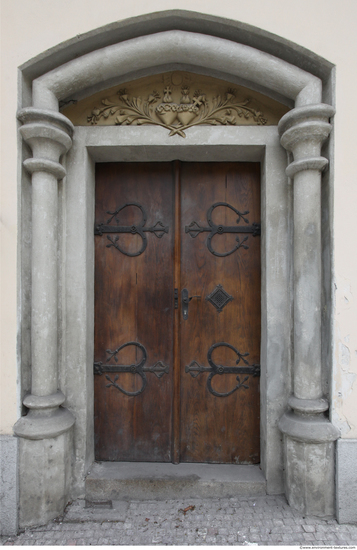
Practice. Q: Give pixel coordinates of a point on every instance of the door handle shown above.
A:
(185, 300)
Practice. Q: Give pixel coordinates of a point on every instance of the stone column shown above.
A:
(45, 432)
(308, 434)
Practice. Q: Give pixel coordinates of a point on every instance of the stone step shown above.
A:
(160, 481)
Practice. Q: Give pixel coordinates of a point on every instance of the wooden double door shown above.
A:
(177, 312)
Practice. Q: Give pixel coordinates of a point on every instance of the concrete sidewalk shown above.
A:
(263, 520)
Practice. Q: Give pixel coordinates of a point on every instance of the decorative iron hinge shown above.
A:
(195, 369)
(159, 229)
(159, 369)
(195, 229)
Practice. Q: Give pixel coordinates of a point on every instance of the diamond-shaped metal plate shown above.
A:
(159, 369)
(219, 298)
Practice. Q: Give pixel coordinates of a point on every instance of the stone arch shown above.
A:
(172, 47)
(50, 135)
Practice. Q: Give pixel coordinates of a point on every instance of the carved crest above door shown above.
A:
(175, 101)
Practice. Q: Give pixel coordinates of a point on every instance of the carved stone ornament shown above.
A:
(177, 117)
(184, 100)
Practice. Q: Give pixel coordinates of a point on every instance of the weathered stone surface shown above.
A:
(346, 481)
(116, 510)
(8, 484)
(308, 434)
(45, 435)
(309, 471)
(175, 47)
(44, 478)
(138, 480)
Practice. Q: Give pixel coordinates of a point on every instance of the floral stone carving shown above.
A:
(177, 117)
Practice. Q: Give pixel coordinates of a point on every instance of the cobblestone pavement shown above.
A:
(266, 520)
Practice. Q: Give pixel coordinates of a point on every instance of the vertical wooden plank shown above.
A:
(177, 311)
(220, 429)
(134, 303)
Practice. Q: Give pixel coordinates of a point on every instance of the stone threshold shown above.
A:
(161, 481)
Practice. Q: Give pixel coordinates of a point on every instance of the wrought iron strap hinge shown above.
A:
(195, 369)
(159, 369)
(195, 229)
(159, 229)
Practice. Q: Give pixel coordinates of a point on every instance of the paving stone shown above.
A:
(309, 528)
(289, 521)
(320, 536)
(276, 530)
(312, 521)
(308, 536)
(244, 522)
(243, 533)
(276, 538)
(330, 537)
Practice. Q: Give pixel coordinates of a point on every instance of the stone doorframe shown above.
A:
(56, 436)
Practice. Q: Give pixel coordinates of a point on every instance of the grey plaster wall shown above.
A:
(346, 480)
(8, 485)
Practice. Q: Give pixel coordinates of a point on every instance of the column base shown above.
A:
(46, 418)
(33, 426)
(44, 478)
(309, 461)
(45, 456)
(309, 477)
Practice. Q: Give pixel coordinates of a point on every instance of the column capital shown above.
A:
(309, 113)
(31, 115)
(49, 134)
(302, 131)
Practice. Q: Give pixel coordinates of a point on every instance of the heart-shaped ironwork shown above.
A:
(159, 229)
(195, 369)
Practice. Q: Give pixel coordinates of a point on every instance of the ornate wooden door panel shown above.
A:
(220, 411)
(133, 303)
(201, 405)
